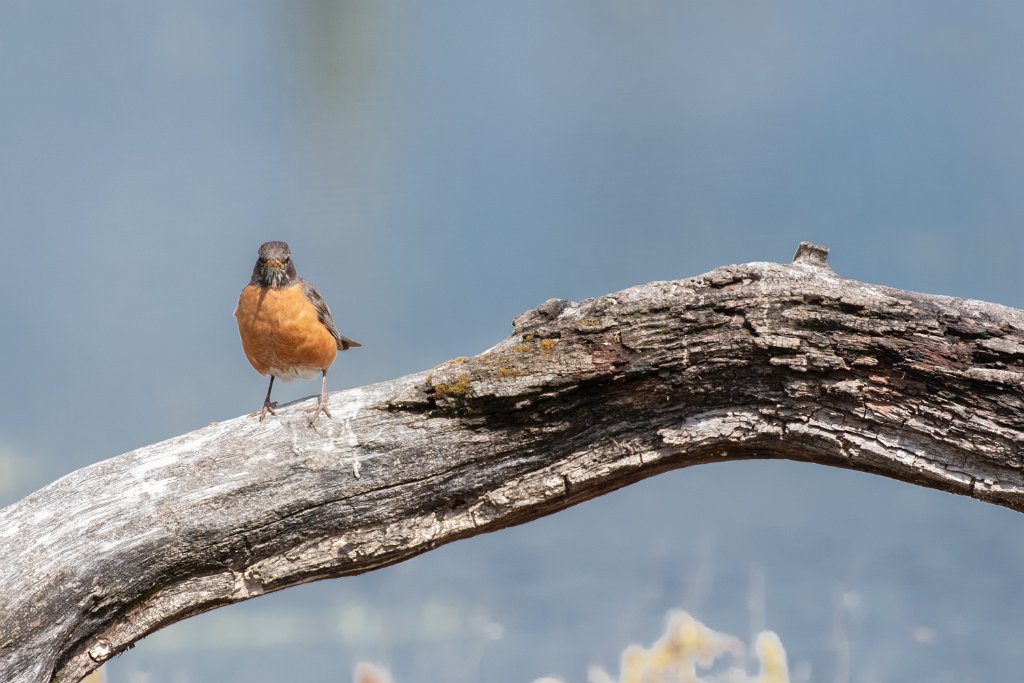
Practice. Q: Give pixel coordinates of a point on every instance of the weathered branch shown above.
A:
(752, 361)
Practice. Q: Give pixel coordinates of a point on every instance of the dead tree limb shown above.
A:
(753, 361)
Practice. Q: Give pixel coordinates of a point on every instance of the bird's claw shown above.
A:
(268, 407)
(320, 407)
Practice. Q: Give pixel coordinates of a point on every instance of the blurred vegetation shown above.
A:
(686, 646)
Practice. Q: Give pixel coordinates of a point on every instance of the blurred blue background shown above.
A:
(438, 168)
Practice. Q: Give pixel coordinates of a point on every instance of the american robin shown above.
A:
(286, 327)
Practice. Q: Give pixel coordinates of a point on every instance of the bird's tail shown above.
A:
(344, 343)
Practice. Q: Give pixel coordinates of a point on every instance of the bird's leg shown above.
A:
(321, 406)
(268, 406)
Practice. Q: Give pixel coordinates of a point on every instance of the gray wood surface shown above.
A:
(752, 361)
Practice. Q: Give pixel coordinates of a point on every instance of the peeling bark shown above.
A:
(752, 361)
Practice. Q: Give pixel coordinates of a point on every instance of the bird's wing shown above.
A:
(324, 314)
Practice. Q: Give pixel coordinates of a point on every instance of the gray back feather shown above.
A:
(324, 314)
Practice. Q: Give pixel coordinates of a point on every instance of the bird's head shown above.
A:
(274, 267)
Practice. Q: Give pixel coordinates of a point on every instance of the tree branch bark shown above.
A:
(752, 361)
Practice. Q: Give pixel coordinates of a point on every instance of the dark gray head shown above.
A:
(274, 267)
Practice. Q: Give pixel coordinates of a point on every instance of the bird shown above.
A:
(286, 327)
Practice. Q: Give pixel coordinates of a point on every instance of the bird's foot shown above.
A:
(268, 407)
(320, 407)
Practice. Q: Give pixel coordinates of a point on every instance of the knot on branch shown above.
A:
(546, 312)
(811, 254)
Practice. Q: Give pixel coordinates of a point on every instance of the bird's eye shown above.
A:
(287, 259)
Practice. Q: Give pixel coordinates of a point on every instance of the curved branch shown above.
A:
(753, 361)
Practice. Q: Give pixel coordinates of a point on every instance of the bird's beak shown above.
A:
(273, 263)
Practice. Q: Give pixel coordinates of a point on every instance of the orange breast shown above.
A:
(281, 334)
